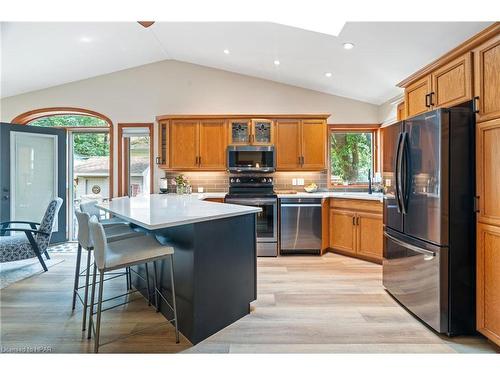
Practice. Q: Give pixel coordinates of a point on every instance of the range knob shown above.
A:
(238, 180)
(231, 180)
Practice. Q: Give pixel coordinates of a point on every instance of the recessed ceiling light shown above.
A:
(226, 51)
(328, 74)
(85, 39)
(348, 45)
(276, 62)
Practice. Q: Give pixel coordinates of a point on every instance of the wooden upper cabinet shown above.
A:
(240, 131)
(301, 145)
(258, 132)
(162, 159)
(452, 83)
(262, 132)
(488, 171)
(416, 97)
(400, 111)
(183, 142)
(487, 79)
(448, 85)
(313, 144)
(200, 142)
(488, 281)
(288, 146)
(370, 235)
(342, 230)
(212, 145)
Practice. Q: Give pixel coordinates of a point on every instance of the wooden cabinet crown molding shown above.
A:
(322, 116)
(466, 46)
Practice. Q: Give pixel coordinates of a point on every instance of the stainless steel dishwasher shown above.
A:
(300, 225)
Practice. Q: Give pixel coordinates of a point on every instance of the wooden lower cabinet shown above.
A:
(216, 200)
(342, 230)
(356, 228)
(488, 281)
(488, 171)
(370, 234)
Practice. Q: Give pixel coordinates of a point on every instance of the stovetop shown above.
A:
(251, 186)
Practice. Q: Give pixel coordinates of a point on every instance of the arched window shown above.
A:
(69, 121)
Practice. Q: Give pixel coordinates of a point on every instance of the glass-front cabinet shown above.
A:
(251, 132)
(161, 160)
(240, 132)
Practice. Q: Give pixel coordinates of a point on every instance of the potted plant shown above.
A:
(182, 184)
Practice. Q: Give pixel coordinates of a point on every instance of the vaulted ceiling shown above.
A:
(39, 55)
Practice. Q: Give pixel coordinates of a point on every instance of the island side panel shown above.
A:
(225, 269)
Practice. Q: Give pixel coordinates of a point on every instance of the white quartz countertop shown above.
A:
(335, 194)
(303, 194)
(158, 211)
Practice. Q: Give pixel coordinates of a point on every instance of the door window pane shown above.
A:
(138, 165)
(33, 174)
(351, 157)
(69, 121)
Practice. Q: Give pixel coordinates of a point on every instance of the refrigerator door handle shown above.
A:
(399, 165)
(428, 253)
(405, 173)
(396, 170)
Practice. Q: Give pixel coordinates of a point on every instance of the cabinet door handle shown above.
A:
(430, 99)
(354, 220)
(427, 100)
(300, 160)
(357, 220)
(196, 160)
(199, 161)
(475, 104)
(158, 160)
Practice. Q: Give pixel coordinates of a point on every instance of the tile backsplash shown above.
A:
(218, 181)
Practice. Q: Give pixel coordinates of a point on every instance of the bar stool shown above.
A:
(91, 208)
(113, 232)
(121, 254)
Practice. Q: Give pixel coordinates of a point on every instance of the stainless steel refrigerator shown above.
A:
(429, 219)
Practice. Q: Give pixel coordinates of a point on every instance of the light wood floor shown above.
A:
(306, 304)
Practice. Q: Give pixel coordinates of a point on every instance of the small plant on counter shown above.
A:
(182, 184)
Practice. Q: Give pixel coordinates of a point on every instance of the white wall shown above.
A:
(388, 111)
(172, 87)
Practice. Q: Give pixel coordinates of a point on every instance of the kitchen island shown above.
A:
(214, 261)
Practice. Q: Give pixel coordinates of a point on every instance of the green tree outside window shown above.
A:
(351, 157)
(85, 144)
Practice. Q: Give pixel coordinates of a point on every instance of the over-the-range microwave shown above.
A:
(251, 159)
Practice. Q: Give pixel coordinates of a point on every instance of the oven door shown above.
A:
(246, 159)
(267, 219)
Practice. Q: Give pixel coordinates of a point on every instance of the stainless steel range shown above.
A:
(258, 191)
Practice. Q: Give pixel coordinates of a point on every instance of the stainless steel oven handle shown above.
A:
(300, 205)
(252, 201)
(417, 249)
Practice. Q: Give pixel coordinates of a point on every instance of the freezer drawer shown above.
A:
(300, 225)
(415, 274)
